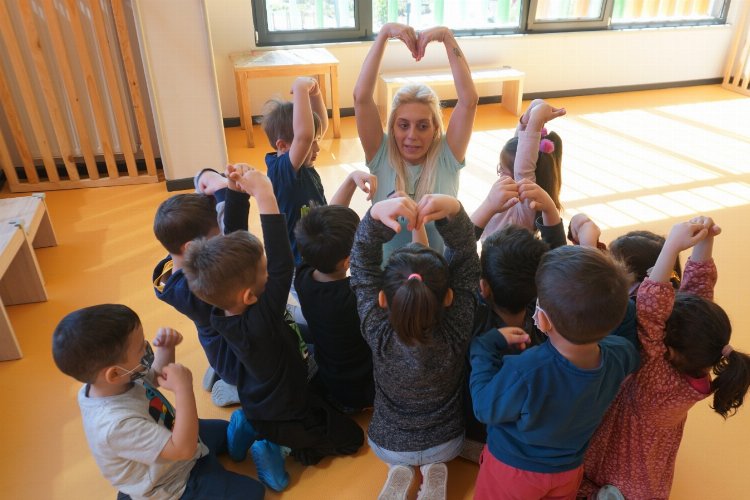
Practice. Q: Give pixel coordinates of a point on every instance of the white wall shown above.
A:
(552, 62)
(176, 48)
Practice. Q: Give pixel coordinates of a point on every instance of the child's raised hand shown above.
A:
(175, 377)
(543, 113)
(503, 194)
(708, 223)
(252, 181)
(584, 231)
(388, 211)
(685, 235)
(516, 337)
(304, 85)
(366, 182)
(435, 207)
(167, 338)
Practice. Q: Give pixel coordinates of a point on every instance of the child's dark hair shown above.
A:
(548, 166)
(415, 304)
(583, 291)
(217, 268)
(182, 218)
(325, 236)
(278, 121)
(90, 339)
(697, 331)
(638, 250)
(510, 258)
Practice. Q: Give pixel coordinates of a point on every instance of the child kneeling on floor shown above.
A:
(144, 446)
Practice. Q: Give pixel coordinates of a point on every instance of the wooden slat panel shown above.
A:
(6, 164)
(44, 77)
(96, 100)
(74, 101)
(16, 130)
(737, 63)
(136, 96)
(123, 180)
(29, 101)
(115, 93)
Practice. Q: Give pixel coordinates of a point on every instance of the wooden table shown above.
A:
(296, 62)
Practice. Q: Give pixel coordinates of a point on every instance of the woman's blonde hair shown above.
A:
(424, 95)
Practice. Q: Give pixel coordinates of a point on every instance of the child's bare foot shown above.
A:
(208, 181)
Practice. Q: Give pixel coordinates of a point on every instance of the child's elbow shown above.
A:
(186, 452)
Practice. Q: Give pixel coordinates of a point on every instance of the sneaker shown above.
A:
(224, 394)
(269, 461)
(240, 435)
(397, 485)
(609, 492)
(434, 482)
(209, 379)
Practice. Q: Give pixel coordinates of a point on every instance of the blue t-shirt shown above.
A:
(540, 409)
(296, 192)
(446, 182)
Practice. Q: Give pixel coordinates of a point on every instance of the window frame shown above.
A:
(364, 22)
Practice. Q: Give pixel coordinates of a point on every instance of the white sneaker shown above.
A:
(397, 485)
(434, 482)
(609, 492)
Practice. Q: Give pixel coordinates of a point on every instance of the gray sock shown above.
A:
(224, 394)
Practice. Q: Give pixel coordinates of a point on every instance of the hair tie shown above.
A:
(727, 350)
(415, 276)
(545, 145)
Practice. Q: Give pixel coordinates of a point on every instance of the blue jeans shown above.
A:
(440, 453)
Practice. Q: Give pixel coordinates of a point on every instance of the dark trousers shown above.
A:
(323, 432)
(208, 479)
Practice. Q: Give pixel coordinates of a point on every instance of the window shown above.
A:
(280, 22)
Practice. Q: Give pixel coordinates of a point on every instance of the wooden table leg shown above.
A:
(247, 109)
(335, 110)
(9, 348)
(238, 89)
(512, 95)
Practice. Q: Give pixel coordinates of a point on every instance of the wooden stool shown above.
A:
(297, 62)
(20, 282)
(30, 212)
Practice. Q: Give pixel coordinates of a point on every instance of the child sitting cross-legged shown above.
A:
(143, 445)
(248, 288)
(324, 237)
(542, 406)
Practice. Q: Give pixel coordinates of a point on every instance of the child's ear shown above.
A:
(346, 263)
(382, 302)
(282, 146)
(484, 289)
(248, 297)
(110, 375)
(448, 299)
(184, 247)
(543, 321)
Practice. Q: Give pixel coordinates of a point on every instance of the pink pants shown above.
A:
(498, 481)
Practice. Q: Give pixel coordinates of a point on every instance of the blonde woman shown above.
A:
(414, 156)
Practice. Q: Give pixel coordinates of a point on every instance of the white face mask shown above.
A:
(143, 366)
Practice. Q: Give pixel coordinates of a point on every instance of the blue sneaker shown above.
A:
(240, 435)
(269, 462)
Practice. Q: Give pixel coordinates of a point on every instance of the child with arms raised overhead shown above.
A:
(685, 336)
(143, 445)
(533, 156)
(325, 237)
(249, 289)
(294, 130)
(417, 318)
(541, 407)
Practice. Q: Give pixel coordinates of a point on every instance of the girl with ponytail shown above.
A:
(686, 357)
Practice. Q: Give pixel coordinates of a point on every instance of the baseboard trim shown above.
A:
(180, 184)
(493, 99)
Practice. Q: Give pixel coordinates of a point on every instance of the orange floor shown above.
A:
(642, 160)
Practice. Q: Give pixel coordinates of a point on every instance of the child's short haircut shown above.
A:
(90, 339)
(583, 291)
(218, 268)
(415, 303)
(510, 258)
(638, 250)
(183, 218)
(278, 121)
(325, 236)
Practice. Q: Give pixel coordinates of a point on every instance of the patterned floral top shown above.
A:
(636, 445)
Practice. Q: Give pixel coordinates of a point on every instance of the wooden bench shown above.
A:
(24, 225)
(20, 282)
(511, 79)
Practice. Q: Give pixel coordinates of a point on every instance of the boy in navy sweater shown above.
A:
(249, 289)
(542, 407)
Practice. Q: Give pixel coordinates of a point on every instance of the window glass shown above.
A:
(457, 14)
